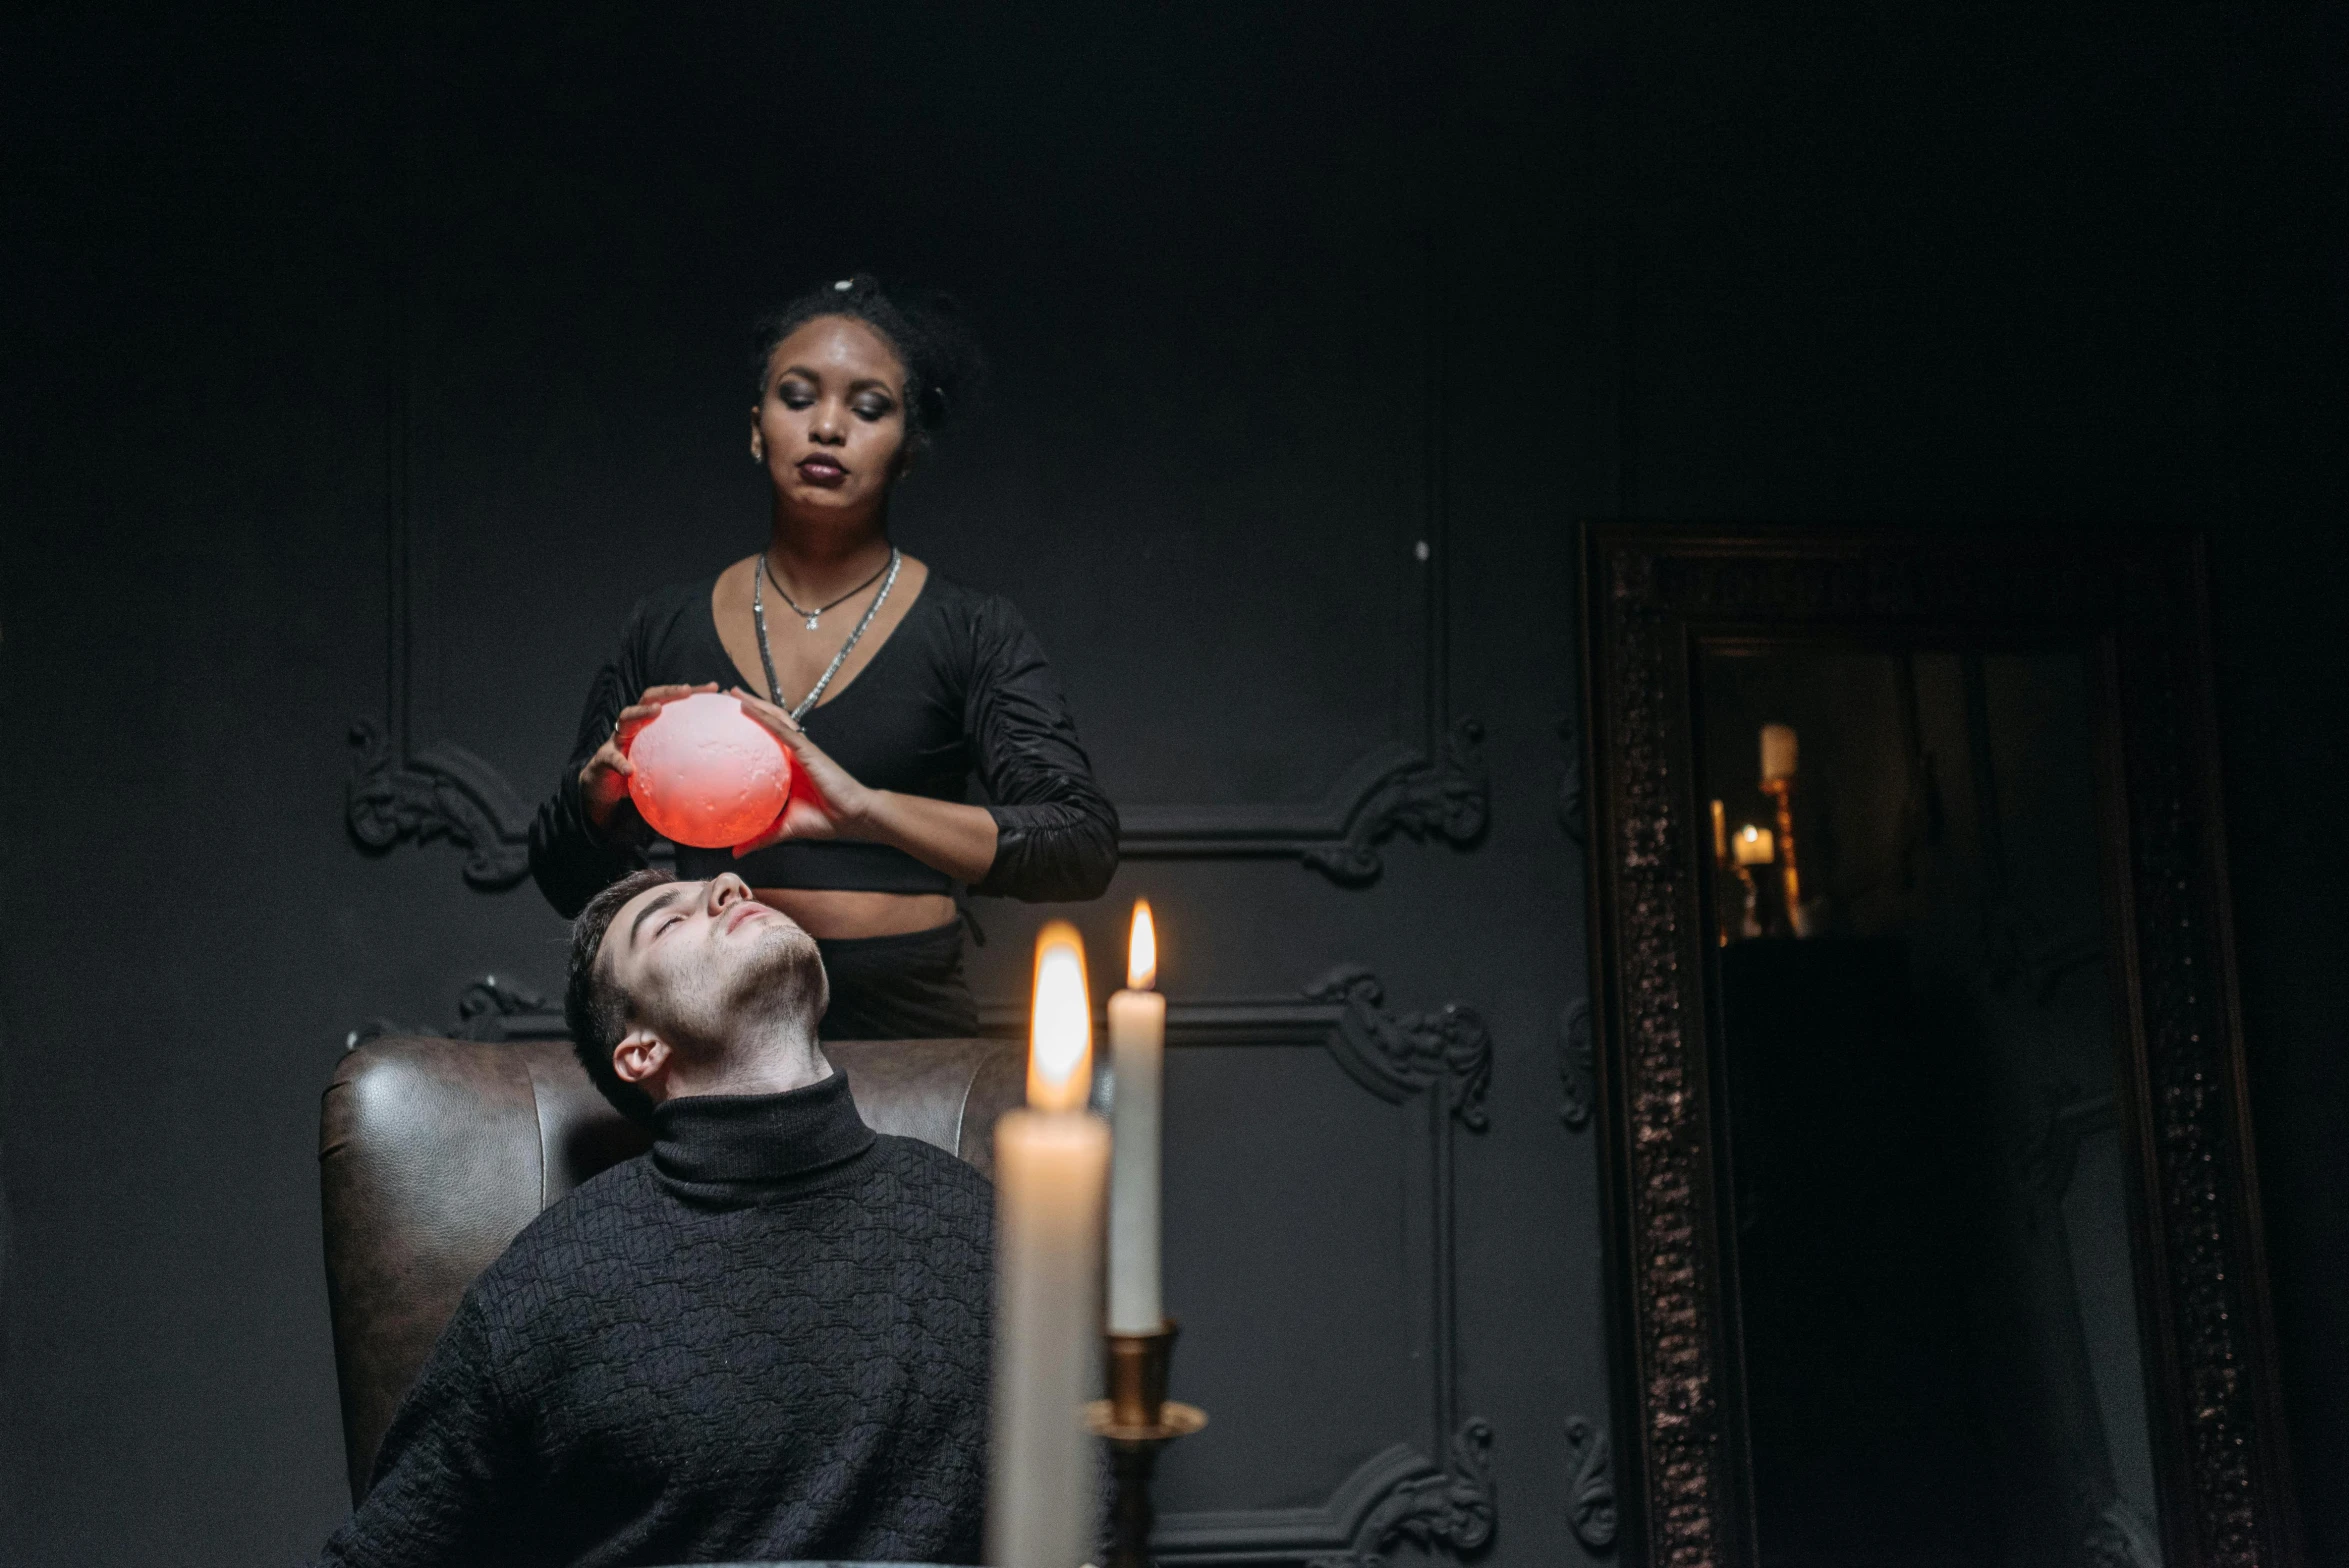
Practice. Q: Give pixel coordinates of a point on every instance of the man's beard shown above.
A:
(770, 987)
(779, 985)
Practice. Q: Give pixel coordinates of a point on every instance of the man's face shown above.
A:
(704, 964)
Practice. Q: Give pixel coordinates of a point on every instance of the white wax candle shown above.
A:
(1051, 1181)
(1049, 1171)
(1137, 1053)
(1778, 752)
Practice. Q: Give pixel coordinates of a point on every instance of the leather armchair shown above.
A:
(433, 1154)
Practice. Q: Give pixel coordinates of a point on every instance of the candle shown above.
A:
(1755, 846)
(1137, 1055)
(1778, 752)
(1060, 1024)
(1051, 1161)
(1720, 831)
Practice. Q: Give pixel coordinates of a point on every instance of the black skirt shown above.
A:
(907, 987)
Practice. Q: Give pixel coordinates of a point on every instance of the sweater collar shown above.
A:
(758, 1139)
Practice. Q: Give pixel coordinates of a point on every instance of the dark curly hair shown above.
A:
(942, 362)
(594, 1006)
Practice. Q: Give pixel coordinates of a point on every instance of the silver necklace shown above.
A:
(809, 614)
(758, 613)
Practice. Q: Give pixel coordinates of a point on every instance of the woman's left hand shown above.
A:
(825, 802)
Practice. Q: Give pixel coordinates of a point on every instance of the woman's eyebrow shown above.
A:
(857, 385)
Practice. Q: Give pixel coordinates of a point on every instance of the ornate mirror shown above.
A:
(1933, 1231)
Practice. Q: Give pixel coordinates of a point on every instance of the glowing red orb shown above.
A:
(707, 773)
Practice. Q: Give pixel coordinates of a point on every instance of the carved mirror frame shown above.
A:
(2136, 605)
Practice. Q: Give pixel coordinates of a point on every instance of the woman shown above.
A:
(889, 683)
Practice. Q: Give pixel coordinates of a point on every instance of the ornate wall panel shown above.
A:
(1196, 479)
(1433, 1491)
(1251, 604)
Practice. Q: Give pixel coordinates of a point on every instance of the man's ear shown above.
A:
(642, 1059)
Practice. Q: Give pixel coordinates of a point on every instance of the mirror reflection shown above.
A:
(1927, 1184)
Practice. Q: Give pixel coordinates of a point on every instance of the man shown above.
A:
(768, 1338)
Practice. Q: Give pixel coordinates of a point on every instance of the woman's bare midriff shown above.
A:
(837, 914)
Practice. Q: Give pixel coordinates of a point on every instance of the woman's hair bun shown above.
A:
(943, 365)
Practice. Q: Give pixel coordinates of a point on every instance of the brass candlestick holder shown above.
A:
(1781, 793)
(1138, 1420)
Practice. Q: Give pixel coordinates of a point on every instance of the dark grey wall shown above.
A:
(1273, 297)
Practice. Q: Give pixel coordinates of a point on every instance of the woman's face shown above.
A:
(831, 423)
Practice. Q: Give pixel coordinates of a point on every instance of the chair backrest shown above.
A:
(433, 1154)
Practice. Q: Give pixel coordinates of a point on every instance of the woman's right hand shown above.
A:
(603, 783)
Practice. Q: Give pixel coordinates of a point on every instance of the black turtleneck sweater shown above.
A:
(766, 1339)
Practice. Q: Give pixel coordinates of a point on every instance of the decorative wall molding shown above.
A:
(494, 1009)
(1590, 1489)
(1396, 789)
(1571, 807)
(1447, 798)
(1431, 787)
(1447, 1509)
(1395, 1056)
(443, 792)
(2138, 610)
(1393, 1496)
(1575, 1067)
(487, 1009)
(1399, 1494)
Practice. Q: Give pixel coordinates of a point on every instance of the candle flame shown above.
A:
(1060, 1038)
(1142, 951)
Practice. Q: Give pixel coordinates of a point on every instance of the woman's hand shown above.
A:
(825, 802)
(603, 783)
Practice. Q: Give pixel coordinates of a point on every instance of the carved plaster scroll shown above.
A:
(1590, 1488)
(444, 792)
(1575, 1068)
(1448, 1509)
(1395, 1055)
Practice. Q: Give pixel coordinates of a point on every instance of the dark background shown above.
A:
(318, 329)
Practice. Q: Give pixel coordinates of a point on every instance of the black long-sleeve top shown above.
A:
(765, 1340)
(960, 687)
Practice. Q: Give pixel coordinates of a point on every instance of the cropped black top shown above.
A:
(959, 687)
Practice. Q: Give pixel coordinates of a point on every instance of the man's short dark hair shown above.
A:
(594, 1005)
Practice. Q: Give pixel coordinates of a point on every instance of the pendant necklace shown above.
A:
(758, 614)
(811, 615)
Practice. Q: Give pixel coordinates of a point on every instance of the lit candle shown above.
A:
(1755, 846)
(1778, 752)
(1137, 1056)
(1051, 1161)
